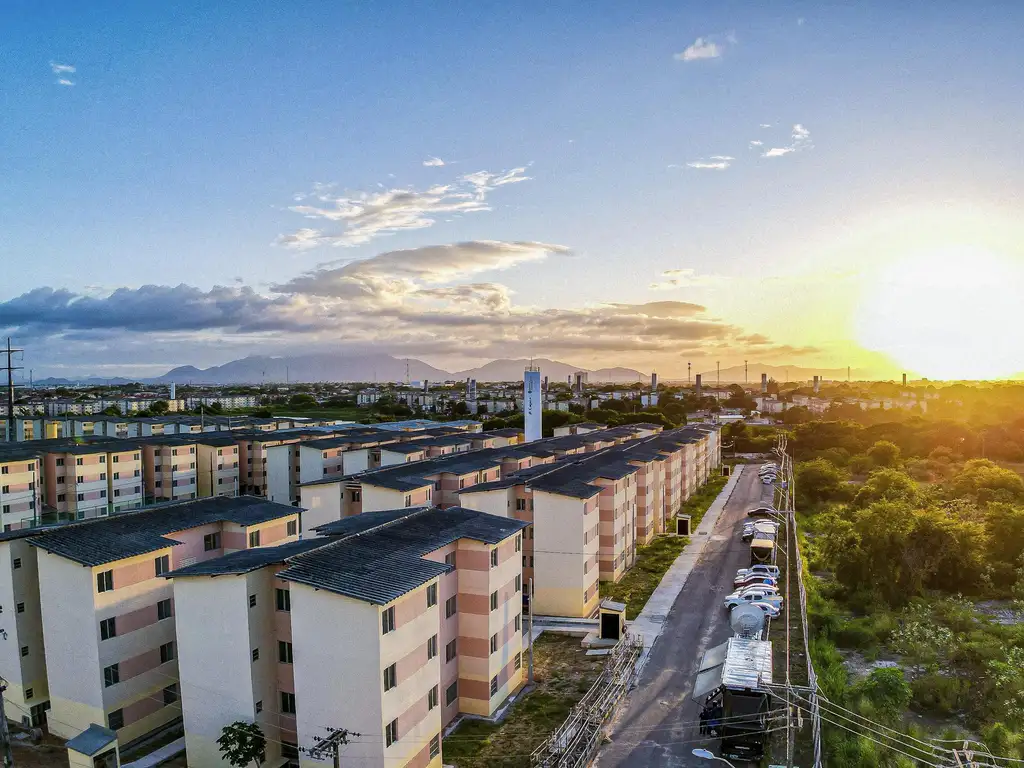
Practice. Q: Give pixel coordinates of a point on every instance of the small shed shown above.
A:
(682, 525)
(95, 747)
(613, 620)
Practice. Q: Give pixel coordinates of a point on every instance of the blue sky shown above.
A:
(190, 130)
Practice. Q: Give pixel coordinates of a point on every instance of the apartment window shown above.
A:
(451, 651)
(387, 620)
(494, 558)
(494, 643)
(259, 706)
(391, 733)
(356, 495)
(136, 473)
(163, 564)
(494, 601)
(24, 650)
(431, 595)
(292, 527)
(531, 561)
(117, 476)
(80, 478)
(60, 463)
(78, 462)
(451, 694)
(519, 543)
(103, 494)
(519, 582)
(431, 647)
(17, 564)
(103, 475)
(138, 489)
(449, 559)
(531, 531)
(519, 661)
(462, 483)
(108, 628)
(408, 500)
(81, 497)
(111, 676)
(450, 607)
(287, 703)
(29, 693)
(5, 489)
(524, 561)
(284, 652)
(117, 459)
(104, 581)
(390, 677)
(284, 600)
(135, 457)
(163, 609)
(520, 504)
(435, 746)
(20, 608)
(519, 622)
(61, 497)
(252, 601)
(432, 698)
(115, 720)
(211, 541)
(255, 654)
(254, 539)
(170, 694)
(494, 685)
(167, 652)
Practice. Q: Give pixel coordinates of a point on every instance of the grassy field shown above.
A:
(698, 504)
(563, 673)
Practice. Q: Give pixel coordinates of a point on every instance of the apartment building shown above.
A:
(107, 613)
(170, 468)
(21, 497)
(92, 479)
(390, 624)
(217, 466)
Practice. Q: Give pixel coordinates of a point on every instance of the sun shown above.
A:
(953, 313)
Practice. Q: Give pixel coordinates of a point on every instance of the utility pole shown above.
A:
(11, 368)
(331, 745)
(529, 628)
(5, 735)
(744, 371)
(718, 365)
(688, 373)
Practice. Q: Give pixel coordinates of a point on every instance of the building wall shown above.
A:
(494, 502)
(24, 628)
(279, 460)
(560, 523)
(322, 504)
(21, 492)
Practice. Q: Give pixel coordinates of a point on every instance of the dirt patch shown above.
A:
(859, 667)
(562, 674)
(1000, 612)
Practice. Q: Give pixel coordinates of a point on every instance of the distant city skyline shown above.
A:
(603, 185)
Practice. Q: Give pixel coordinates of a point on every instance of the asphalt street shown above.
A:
(658, 723)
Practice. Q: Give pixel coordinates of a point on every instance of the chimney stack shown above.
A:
(817, 382)
(764, 383)
(904, 379)
(697, 379)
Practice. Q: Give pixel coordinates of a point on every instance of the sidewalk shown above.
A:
(651, 621)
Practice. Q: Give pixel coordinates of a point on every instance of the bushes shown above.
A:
(820, 481)
(939, 694)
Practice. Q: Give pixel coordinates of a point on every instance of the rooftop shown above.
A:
(246, 560)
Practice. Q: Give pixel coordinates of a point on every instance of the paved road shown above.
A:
(657, 725)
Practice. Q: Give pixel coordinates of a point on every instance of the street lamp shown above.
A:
(708, 755)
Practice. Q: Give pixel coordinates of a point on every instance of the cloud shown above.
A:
(766, 125)
(60, 70)
(702, 48)
(683, 278)
(433, 162)
(717, 163)
(365, 216)
(64, 81)
(756, 143)
(801, 21)
(800, 139)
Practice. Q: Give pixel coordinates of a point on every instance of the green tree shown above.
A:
(159, 407)
(302, 400)
(886, 485)
(984, 482)
(884, 454)
(243, 743)
(889, 692)
(112, 410)
(819, 481)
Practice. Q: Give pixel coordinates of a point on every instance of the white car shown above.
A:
(771, 611)
(766, 589)
(753, 597)
(767, 570)
(754, 581)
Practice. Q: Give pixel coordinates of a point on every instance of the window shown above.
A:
(519, 661)
(163, 564)
(259, 706)
(494, 643)
(292, 527)
(524, 561)
(78, 462)
(5, 489)
(451, 693)
(449, 559)
(17, 564)
(255, 654)
(117, 459)
(431, 647)
(519, 543)
(170, 694)
(431, 595)
(494, 558)
(387, 620)
(408, 500)
(356, 495)
(103, 475)
(462, 483)
(450, 607)
(103, 494)
(115, 720)
(254, 539)
(252, 601)
(391, 733)
(167, 652)
(80, 478)
(432, 698)
(60, 463)
(494, 685)
(519, 621)
(211, 541)
(24, 650)
(104, 581)
(451, 651)
(111, 676)
(287, 703)
(520, 504)
(531, 531)
(284, 599)
(21, 608)
(494, 601)
(390, 677)
(163, 609)
(61, 497)
(108, 628)
(435, 746)
(519, 582)
(29, 693)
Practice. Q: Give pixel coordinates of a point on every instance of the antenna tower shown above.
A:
(11, 368)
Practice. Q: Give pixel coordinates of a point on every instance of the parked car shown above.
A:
(763, 512)
(770, 610)
(754, 581)
(763, 589)
(753, 596)
(767, 570)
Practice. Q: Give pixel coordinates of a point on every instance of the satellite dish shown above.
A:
(747, 621)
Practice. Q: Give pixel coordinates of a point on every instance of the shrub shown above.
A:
(939, 694)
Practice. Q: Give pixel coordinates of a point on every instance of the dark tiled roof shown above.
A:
(403, 447)
(246, 560)
(503, 432)
(380, 563)
(444, 440)
(107, 539)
